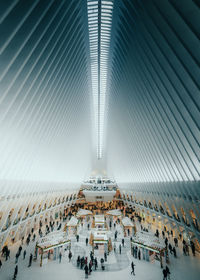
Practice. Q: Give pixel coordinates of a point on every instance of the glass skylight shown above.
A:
(99, 24)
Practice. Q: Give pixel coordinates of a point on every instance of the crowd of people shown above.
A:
(89, 265)
(45, 227)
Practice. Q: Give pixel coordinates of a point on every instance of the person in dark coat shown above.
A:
(102, 264)
(90, 267)
(139, 254)
(105, 256)
(0, 263)
(168, 272)
(174, 251)
(193, 248)
(133, 268)
(86, 271)
(70, 256)
(30, 260)
(15, 272)
(164, 274)
(24, 254)
(60, 257)
(78, 261)
(120, 249)
(170, 248)
(95, 263)
(123, 242)
(86, 241)
(16, 257)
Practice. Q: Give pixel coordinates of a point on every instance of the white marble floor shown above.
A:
(117, 266)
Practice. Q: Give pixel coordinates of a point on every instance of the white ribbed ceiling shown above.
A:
(117, 79)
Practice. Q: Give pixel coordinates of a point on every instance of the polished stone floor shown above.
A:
(116, 267)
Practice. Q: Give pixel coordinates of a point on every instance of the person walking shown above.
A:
(16, 257)
(24, 254)
(133, 268)
(120, 249)
(102, 264)
(86, 241)
(77, 238)
(30, 260)
(20, 249)
(164, 274)
(123, 242)
(0, 264)
(15, 272)
(168, 272)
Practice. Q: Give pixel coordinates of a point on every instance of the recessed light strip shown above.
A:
(99, 24)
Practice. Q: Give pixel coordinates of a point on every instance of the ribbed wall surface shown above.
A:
(154, 117)
(44, 90)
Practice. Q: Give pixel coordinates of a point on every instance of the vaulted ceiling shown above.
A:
(110, 87)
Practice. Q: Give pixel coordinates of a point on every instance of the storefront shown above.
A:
(101, 242)
(51, 246)
(128, 226)
(71, 226)
(148, 247)
(99, 221)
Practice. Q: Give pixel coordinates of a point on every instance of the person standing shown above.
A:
(86, 271)
(86, 241)
(123, 242)
(60, 257)
(70, 255)
(95, 263)
(193, 248)
(0, 264)
(133, 268)
(90, 267)
(139, 254)
(105, 256)
(114, 247)
(174, 251)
